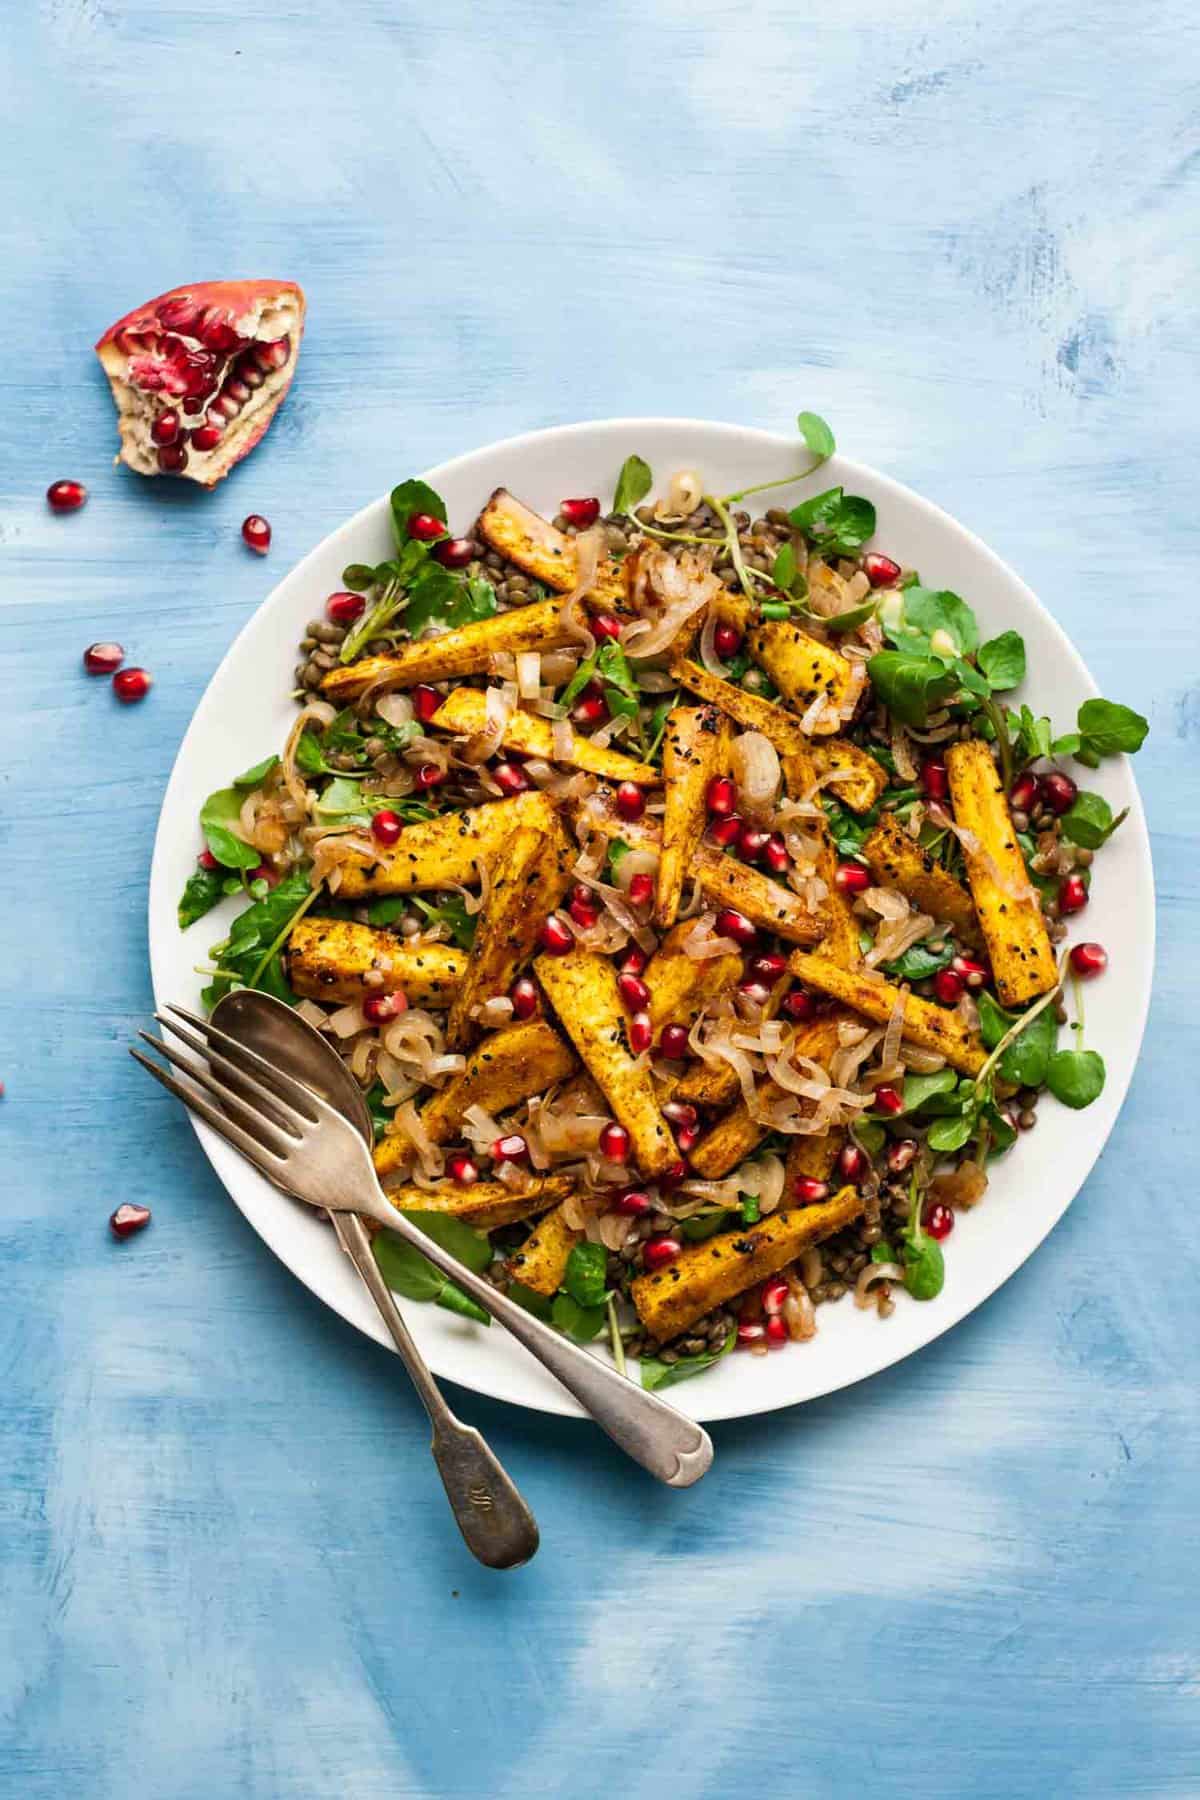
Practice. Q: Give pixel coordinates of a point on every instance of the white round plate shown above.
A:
(246, 712)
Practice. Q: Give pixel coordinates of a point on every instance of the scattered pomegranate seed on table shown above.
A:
(454, 553)
(524, 997)
(939, 1221)
(614, 1143)
(1072, 894)
(425, 528)
(1089, 960)
(386, 827)
(658, 1252)
(103, 659)
(580, 513)
(880, 570)
(130, 685)
(128, 1219)
(379, 1008)
(852, 878)
(343, 608)
(66, 496)
(256, 533)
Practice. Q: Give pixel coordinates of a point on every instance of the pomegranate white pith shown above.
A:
(199, 373)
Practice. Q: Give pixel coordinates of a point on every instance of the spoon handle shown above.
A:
(496, 1524)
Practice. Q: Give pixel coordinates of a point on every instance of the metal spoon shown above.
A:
(495, 1521)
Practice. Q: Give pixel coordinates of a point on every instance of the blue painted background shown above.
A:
(966, 232)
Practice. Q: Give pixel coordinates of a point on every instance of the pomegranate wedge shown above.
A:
(198, 374)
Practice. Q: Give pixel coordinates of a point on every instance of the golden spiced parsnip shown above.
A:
(695, 750)
(464, 712)
(537, 548)
(485, 1205)
(463, 650)
(443, 852)
(931, 1027)
(335, 959)
(897, 860)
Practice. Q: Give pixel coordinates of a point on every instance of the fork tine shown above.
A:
(255, 1152)
(258, 1094)
(278, 1140)
(249, 1062)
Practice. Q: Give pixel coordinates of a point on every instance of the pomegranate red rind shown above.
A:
(220, 355)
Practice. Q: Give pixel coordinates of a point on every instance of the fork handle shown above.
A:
(496, 1524)
(672, 1447)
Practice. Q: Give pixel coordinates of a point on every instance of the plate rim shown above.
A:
(220, 1156)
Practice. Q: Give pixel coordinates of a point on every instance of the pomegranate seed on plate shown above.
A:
(589, 710)
(880, 570)
(614, 1143)
(206, 437)
(808, 1190)
(103, 659)
(208, 861)
(524, 997)
(461, 1169)
(948, 986)
(555, 938)
(799, 1005)
(751, 843)
(735, 925)
(672, 1177)
(582, 907)
(775, 1292)
(727, 641)
(633, 960)
(972, 973)
(580, 513)
(344, 607)
(673, 1044)
(130, 685)
(776, 1331)
(606, 627)
(751, 1331)
(128, 1218)
(721, 796)
(687, 1137)
(757, 992)
(852, 1162)
(256, 533)
(726, 832)
(635, 995)
(426, 701)
(767, 967)
(511, 778)
(934, 780)
(266, 872)
(425, 528)
(633, 1203)
(641, 890)
(165, 428)
(852, 878)
(1089, 959)
(66, 496)
(680, 1112)
(640, 1032)
(1057, 791)
(939, 1221)
(430, 775)
(454, 553)
(658, 1252)
(379, 1008)
(888, 1100)
(1072, 891)
(386, 827)
(512, 1148)
(775, 854)
(1023, 793)
(631, 802)
(902, 1154)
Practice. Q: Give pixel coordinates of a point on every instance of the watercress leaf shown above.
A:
(835, 522)
(918, 963)
(633, 484)
(583, 1323)
(409, 1273)
(1002, 660)
(252, 935)
(1032, 735)
(910, 685)
(973, 682)
(706, 1225)
(1076, 1077)
(381, 1115)
(202, 890)
(1107, 728)
(848, 833)
(451, 911)
(409, 498)
(783, 569)
(918, 1089)
(470, 1247)
(929, 614)
(949, 1134)
(218, 815)
(579, 680)
(531, 1300)
(1067, 745)
(387, 909)
(455, 1301)
(924, 1266)
(309, 757)
(817, 435)
(1089, 821)
(436, 597)
(585, 1279)
(993, 1020)
(258, 774)
(1002, 1134)
(659, 1374)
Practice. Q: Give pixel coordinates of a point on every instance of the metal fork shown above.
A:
(300, 1142)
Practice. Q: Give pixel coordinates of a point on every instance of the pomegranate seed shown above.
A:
(172, 458)
(460, 1168)
(1057, 791)
(776, 1332)
(735, 925)
(751, 1331)
(206, 437)
(425, 528)
(582, 908)
(512, 1148)
(681, 1112)
(888, 1100)
(633, 960)
(768, 967)
(808, 1190)
(658, 1252)
(614, 1143)
(430, 775)
(775, 854)
(606, 626)
(1089, 960)
(721, 796)
(580, 513)
(511, 778)
(454, 553)
(524, 997)
(799, 1005)
(757, 992)
(948, 985)
(379, 1008)
(973, 974)
(1023, 792)
(386, 827)
(672, 1177)
(426, 701)
(635, 995)
(726, 832)
(343, 607)
(880, 570)
(633, 1203)
(1072, 890)
(266, 872)
(902, 1154)
(208, 861)
(751, 843)
(939, 1221)
(852, 1162)
(640, 1033)
(102, 659)
(236, 390)
(641, 890)
(128, 1218)
(256, 533)
(673, 1044)
(852, 878)
(130, 685)
(589, 710)
(934, 780)
(66, 496)
(774, 1293)
(165, 428)
(554, 937)
(687, 1137)
(631, 802)
(727, 641)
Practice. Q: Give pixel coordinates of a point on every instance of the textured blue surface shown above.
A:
(964, 232)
